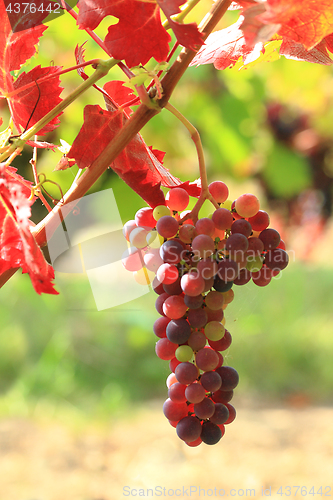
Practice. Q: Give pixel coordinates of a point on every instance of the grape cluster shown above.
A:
(193, 266)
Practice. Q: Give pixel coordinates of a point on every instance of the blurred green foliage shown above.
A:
(54, 352)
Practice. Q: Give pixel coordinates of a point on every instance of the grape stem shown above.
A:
(195, 136)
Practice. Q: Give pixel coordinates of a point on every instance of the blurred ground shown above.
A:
(262, 448)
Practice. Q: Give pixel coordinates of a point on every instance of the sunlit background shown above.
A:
(82, 390)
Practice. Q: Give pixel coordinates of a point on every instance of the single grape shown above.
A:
(174, 307)
(262, 277)
(160, 211)
(159, 327)
(205, 226)
(214, 330)
(241, 226)
(195, 392)
(193, 302)
(174, 411)
(205, 409)
(165, 349)
(206, 359)
(159, 303)
(260, 221)
(178, 331)
(173, 288)
(197, 318)
(228, 270)
(222, 218)
(167, 274)
(214, 300)
(228, 296)
(186, 372)
(176, 392)
(192, 283)
(167, 226)
(243, 277)
(214, 314)
(210, 433)
(221, 285)
(171, 380)
(197, 340)
(187, 233)
(211, 381)
(172, 251)
(177, 199)
(184, 353)
(220, 415)
(270, 238)
(223, 343)
(219, 191)
(237, 242)
(232, 413)
(189, 429)
(157, 286)
(254, 264)
(256, 246)
(152, 259)
(277, 259)
(173, 363)
(207, 268)
(247, 205)
(144, 217)
(203, 246)
(222, 396)
(229, 376)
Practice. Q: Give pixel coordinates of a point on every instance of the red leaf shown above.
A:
(120, 94)
(253, 28)
(297, 51)
(138, 165)
(18, 247)
(99, 128)
(15, 48)
(139, 34)
(187, 35)
(224, 48)
(46, 95)
(304, 21)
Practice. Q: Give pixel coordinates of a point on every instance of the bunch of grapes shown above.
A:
(192, 266)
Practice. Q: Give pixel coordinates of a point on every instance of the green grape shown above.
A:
(184, 353)
(254, 264)
(160, 211)
(214, 330)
